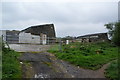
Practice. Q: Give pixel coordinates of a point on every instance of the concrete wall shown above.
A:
(28, 38)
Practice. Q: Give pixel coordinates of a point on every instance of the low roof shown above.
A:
(96, 34)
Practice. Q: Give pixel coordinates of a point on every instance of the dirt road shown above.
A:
(45, 65)
(42, 66)
(37, 63)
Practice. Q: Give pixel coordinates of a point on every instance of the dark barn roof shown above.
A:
(96, 34)
(47, 29)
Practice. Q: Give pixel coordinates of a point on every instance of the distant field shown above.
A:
(87, 55)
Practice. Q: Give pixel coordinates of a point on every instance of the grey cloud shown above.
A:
(69, 12)
(65, 16)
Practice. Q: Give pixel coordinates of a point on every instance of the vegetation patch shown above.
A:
(112, 71)
(87, 55)
(11, 67)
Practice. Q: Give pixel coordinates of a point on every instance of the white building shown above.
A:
(28, 38)
(39, 34)
(32, 39)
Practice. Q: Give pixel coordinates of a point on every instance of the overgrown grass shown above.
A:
(87, 55)
(11, 67)
(112, 71)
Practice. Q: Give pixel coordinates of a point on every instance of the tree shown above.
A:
(68, 38)
(110, 27)
(114, 32)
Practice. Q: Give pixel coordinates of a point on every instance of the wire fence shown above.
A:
(30, 40)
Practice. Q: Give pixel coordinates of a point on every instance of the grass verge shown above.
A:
(112, 71)
(11, 67)
(87, 55)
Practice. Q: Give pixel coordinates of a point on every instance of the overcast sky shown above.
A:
(69, 18)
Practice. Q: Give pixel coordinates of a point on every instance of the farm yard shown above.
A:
(60, 40)
(75, 60)
(89, 56)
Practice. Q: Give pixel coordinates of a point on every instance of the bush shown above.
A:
(116, 34)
